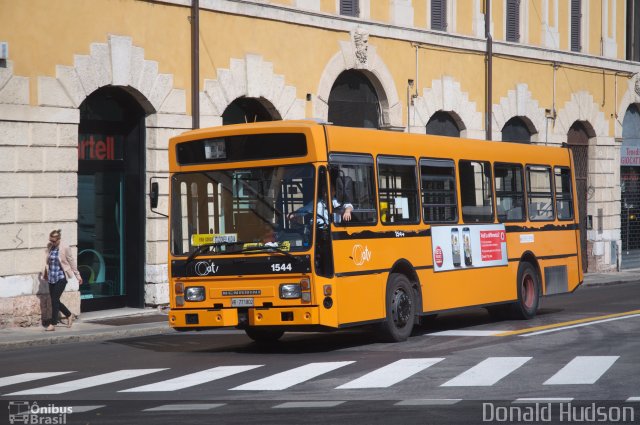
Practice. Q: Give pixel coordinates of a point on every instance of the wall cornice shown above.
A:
(259, 10)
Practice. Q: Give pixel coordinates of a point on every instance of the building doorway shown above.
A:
(442, 123)
(353, 101)
(111, 220)
(578, 140)
(248, 109)
(630, 189)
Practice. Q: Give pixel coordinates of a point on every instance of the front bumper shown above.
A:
(274, 316)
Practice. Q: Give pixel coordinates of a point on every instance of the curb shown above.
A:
(88, 336)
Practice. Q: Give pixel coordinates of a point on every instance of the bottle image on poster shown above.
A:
(466, 246)
(455, 247)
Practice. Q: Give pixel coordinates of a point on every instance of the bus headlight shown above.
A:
(290, 291)
(194, 293)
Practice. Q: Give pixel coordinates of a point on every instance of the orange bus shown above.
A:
(299, 226)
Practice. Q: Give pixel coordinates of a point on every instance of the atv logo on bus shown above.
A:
(205, 268)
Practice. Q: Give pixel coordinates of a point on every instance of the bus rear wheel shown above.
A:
(400, 307)
(528, 292)
(264, 335)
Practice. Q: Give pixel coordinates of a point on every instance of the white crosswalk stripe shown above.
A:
(192, 379)
(289, 378)
(582, 370)
(487, 372)
(391, 374)
(84, 383)
(26, 377)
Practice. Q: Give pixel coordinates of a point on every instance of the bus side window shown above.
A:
(476, 191)
(564, 195)
(397, 189)
(540, 195)
(509, 192)
(352, 181)
(439, 201)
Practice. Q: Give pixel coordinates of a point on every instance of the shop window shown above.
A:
(439, 203)
(398, 191)
(476, 191)
(540, 196)
(352, 181)
(564, 196)
(509, 192)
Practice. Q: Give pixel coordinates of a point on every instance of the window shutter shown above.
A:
(513, 20)
(576, 27)
(349, 8)
(439, 15)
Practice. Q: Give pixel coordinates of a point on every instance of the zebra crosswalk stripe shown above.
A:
(582, 370)
(192, 379)
(391, 374)
(84, 383)
(289, 378)
(26, 377)
(487, 372)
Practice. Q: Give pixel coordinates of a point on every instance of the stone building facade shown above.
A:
(88, 104)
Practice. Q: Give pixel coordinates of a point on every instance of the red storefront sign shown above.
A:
(97, 149)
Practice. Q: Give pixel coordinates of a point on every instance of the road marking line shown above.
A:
(582, 370)
(92, 381)
(289, 378)
(306, 404)
(429, 402)
(580, 325)
(184, 407)
(543, 400)
(84, 409)
(192, 379)
(391, 374)
(463, 332)
(633, 399)
(26, 377)
(487, 372)
(589, 320)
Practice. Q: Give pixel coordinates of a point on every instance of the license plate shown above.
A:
(241, 302)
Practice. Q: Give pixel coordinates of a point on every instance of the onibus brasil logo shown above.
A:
(25, 412)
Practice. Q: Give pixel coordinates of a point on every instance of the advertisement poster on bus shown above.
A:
(468, 246)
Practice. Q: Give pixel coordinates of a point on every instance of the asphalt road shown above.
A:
(562, 361)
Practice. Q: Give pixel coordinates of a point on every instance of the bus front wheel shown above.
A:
(264, 335)
(528, 292)
(400, 308)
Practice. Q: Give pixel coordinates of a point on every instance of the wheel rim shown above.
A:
(528, 291)
(401, 308)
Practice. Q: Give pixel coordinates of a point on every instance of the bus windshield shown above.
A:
(253, 206)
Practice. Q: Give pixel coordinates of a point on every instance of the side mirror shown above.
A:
(153, 195)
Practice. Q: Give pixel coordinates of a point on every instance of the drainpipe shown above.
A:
(489, 59)
(195, 64)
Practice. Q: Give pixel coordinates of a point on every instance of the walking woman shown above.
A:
(60, 264)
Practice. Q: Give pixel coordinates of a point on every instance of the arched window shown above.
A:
(353, 101)
(516, 130)
(630, 188)
(443, 123)
(248, 109)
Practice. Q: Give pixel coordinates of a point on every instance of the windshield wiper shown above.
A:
(199, 250)
(266, 248)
